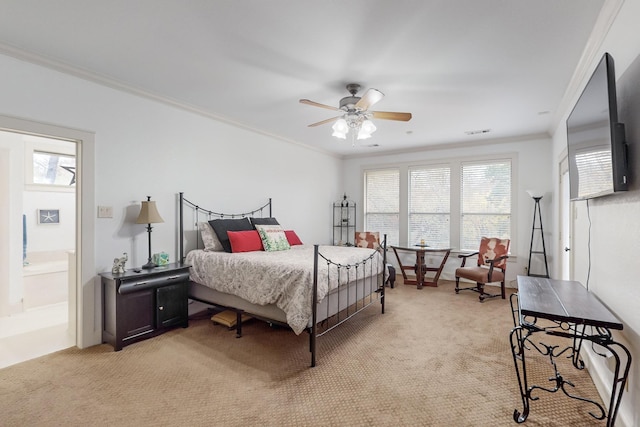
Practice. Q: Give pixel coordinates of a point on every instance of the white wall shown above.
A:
(613, 225)
(145, 148)
(11, 196)
(50, 237)
(532, 171)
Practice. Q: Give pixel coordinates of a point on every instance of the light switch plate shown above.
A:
(105, 212)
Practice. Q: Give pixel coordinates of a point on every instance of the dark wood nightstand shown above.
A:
(140, 305)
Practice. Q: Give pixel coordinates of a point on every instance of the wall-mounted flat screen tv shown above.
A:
(596, 141)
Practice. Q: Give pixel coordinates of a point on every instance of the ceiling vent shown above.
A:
(476, 132)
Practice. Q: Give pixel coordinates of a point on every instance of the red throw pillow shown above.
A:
(245, 241)
(292, 237)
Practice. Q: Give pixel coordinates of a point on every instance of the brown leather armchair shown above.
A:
(491, 267)
(371, 240)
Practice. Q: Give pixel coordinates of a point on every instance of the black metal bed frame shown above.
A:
(346, 274)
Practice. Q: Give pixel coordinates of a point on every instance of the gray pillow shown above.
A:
(209, 238)
(264, 221)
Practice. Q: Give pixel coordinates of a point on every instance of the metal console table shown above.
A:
(571, 311)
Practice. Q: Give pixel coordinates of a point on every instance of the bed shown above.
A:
(304, 287)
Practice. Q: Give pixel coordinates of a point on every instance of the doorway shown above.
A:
(39, 210)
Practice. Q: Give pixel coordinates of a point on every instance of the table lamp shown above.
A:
(149, 215)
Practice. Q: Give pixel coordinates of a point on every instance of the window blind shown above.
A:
(485, 202)
(430, 206)
(382, 203)
(594, 171)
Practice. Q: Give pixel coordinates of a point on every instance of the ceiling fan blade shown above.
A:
(333, 119)
(370, 97)
(391, 115)
(317, 104)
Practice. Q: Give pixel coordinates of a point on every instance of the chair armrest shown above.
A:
(491, 263)
(465, 256)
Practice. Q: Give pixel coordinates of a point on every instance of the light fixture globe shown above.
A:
(366, 129)
(340, 129)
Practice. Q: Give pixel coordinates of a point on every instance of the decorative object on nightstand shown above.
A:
(140, 304)
(149, 215)
(118, 264)
(344, 222)
(161, 259)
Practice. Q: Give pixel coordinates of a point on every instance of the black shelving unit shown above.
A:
(344, 222)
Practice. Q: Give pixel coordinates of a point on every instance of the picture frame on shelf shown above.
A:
(48, 216)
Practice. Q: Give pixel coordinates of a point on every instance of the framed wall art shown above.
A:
(48, 216)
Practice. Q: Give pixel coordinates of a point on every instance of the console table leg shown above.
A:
(517, 350)
(619, 382)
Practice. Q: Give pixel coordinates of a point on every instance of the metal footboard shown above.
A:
(359, 285)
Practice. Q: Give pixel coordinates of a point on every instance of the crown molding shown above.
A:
(591, 53)
(112, 83)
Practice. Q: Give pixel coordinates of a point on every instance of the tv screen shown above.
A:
(596, 145)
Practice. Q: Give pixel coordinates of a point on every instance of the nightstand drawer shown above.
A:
(152, 282)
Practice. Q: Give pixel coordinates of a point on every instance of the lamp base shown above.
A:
(150, 265)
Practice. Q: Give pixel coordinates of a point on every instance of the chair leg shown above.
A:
(481, 291)
(502, 288)
(457, 285)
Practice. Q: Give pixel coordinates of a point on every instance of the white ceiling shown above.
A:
(456, 65)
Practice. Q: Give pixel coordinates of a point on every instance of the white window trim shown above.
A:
(455, 164)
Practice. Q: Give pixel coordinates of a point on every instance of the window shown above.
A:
(49, 164)
(594, 171)
(448, 203)
(53, 168)
(382, 203)
(429, 206)
(485, 202)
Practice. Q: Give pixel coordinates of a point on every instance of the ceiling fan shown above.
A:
(355, 113)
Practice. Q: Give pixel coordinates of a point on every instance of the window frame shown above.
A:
(455, 165)
(485, 162)
(35, 144)
(364, 204)
(410, 211)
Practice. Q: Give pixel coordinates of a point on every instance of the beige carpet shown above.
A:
(434, 359)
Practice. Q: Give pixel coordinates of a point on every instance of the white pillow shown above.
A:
(209, 238)
(273, 237)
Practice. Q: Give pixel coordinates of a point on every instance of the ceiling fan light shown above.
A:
(339, 135)
(363, 135)
(368, 126)
(366, 129)
(340, 129)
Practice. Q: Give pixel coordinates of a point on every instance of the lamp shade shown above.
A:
(149, 213)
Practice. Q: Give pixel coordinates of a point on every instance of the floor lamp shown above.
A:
(149, 215)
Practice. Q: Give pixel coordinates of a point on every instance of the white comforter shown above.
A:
(283, 278)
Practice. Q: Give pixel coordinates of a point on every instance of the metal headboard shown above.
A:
(210, 214)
